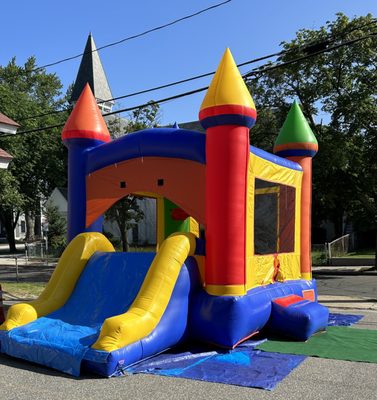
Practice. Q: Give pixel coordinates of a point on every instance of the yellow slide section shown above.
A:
(62, 282)
(152, 300)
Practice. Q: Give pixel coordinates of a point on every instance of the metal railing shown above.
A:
(339, 247)
(40, 250)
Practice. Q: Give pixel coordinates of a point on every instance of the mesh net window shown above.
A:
(274, 218)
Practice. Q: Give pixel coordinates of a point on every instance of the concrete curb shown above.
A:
(348, 302)
(343, 270)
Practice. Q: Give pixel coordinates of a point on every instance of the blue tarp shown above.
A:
(343, 319)
(243, 366)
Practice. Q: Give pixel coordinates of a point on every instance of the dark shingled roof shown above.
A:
(92, 72)
(64, 192)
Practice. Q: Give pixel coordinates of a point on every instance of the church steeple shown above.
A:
(92, 72)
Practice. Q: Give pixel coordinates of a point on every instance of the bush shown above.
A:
(57, 229)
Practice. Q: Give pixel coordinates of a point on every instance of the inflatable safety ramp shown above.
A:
(297, 317)
(104, 310)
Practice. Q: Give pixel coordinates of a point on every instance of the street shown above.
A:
(315, 378)
(361, 285)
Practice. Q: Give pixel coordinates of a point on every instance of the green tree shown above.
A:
(144, 117)
(141, 118)
(39, 162)
(126, 213)
(57, 228)
(340, 87)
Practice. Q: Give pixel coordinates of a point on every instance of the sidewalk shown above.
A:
(10, 260)
(342, 270)
(348, 302)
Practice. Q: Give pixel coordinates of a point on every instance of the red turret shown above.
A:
(227, 113)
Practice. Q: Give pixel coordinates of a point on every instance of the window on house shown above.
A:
(23, 227)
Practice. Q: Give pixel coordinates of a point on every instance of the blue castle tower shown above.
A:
(81, 132)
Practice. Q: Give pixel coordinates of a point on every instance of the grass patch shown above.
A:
(360, 254)
(318, 258)
(23, 290)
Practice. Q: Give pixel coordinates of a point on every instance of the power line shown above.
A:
(164, 86)
(115, 112)
(189, 93)
(157, 29)
(248, 74)
(138, 35)
(325, 50)
(310, 46)
(160, 27)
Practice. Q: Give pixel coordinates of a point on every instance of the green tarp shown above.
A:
(338, 342)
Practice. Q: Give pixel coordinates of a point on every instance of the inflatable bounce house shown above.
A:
(233, 252)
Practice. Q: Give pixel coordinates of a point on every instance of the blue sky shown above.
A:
(53, 30)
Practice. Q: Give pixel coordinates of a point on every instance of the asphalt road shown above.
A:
(361, 285)
(315, 378)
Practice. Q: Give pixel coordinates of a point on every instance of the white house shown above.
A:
(5, 159)
(8, 126)
(59, 199)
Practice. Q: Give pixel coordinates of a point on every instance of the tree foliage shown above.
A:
(57, 228)
(39, 162)
(126, 213)
(337, 91)
(141, 118)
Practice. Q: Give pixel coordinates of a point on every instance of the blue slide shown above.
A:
(107, 287)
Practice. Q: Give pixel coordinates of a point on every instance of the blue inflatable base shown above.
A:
(245, 315)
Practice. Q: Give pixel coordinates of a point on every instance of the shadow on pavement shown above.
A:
(344, 273)
(29, 366)
(353, 300)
